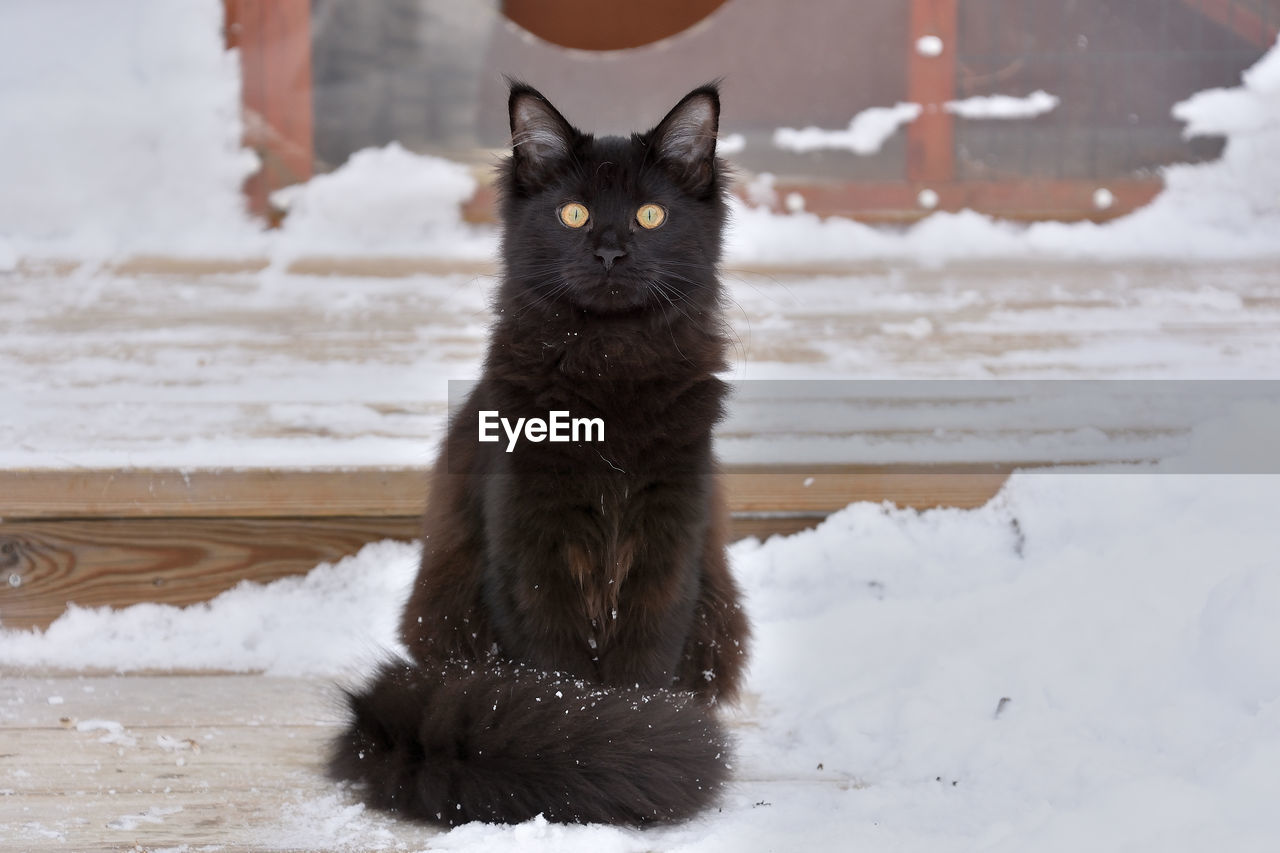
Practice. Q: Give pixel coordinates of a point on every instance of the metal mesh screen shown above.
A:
(1118, 67)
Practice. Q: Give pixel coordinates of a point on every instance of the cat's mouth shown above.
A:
(611, 294)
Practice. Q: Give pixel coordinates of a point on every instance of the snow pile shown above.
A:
(1088, 659)
(1231, 205)
(122, 131)
(383, 201)
(336, 615)
(867, 132)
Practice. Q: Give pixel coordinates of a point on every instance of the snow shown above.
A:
(1004, 106)
(870, 129)
(383, 201)
(1084, 660)
(266, 370)
(929, 46)
(153, 815)
(294, 626)
(866, 134)
(928, 199)
(122, 131)
(731, 143)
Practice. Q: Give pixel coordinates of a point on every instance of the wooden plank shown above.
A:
(389, 267)
(184, 757)
(1032, 199)
(279, 812)
(233, 761)
(46, 564)
(141, 493)
(164, 701)
(827, 488)
(228, 761)
(27, 494)
(119, 562)
(931, 82)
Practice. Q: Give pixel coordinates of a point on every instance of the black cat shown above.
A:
(574, 621)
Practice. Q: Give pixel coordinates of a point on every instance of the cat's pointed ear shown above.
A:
(685, 141)
(541, 139)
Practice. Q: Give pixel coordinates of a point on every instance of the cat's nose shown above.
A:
(608, 255)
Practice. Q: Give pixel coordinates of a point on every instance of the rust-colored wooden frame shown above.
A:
(1029, 199)
(273, 38)
(931, 82)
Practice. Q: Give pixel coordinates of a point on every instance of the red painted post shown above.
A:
(931, 82)
(274, 41)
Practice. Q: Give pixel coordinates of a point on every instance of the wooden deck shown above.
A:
(232, 762)
(277, 377)
(122, 360)
(150, 762)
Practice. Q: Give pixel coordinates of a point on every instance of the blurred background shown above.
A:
(326, 78)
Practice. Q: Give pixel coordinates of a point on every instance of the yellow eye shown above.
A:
(574, 215)
(651, 216)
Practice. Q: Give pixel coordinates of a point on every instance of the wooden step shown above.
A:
(161, 761)
(116, 538)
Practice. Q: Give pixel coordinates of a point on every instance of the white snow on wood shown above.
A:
(382, 201)
(870, 129)
(930, 46)
(866, 134)
(1004, 106)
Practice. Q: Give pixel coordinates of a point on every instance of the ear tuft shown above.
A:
(541, 139)
(685, 140)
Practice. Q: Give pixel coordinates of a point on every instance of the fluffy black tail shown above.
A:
(453, 745)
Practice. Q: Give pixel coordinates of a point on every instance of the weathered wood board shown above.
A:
(122, 561)
(147, 762)
(125, 763)
(119, 538)
(390, 492)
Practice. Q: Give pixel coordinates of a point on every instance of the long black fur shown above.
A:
(496, 745)
(574, 623)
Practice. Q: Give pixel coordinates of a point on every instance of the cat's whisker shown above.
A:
(656, 287)
(544, 296)
(729, 332)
